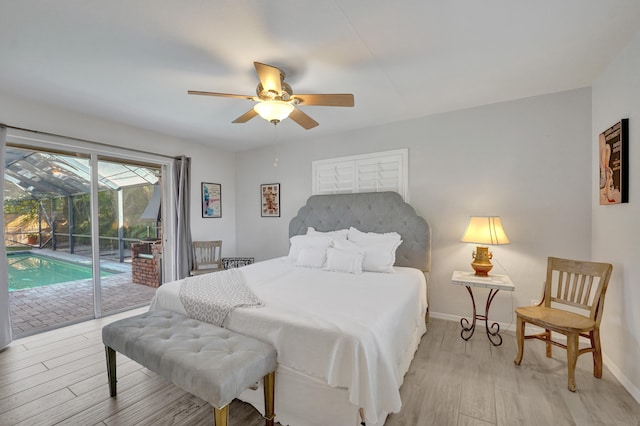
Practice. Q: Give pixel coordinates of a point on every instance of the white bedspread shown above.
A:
(351, 331)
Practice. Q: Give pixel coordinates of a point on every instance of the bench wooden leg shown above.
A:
(111, 370)
(221, 415)
(269, 391)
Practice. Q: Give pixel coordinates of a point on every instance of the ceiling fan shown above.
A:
(276, 100)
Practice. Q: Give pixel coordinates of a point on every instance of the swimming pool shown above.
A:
(29, 270)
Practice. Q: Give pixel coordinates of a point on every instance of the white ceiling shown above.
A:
(133, 61)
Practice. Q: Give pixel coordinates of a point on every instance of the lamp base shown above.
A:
(481, 261)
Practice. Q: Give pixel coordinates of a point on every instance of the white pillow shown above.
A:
(340, 234)
(312, 257)
(339, 260)
(379, 249)
(362, 238)
(380, 256)
(298, 242)
(346, 245)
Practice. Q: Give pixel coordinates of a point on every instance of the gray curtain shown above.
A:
(5, 317)
(184, 253)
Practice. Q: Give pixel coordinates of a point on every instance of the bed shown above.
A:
(344, 340)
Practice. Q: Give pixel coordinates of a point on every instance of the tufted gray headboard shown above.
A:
(370, 212)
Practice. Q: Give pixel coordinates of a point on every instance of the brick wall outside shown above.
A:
(143, 270)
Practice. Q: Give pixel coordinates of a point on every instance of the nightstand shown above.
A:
(494, 283)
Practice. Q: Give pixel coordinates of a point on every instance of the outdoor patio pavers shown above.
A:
(38, 309)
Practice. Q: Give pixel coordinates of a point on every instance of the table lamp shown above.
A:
(484, 230)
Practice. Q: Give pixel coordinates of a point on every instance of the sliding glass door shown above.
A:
(129, 226)
(48, 238)
(92, 223)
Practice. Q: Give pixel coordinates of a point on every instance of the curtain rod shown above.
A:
(85, 140)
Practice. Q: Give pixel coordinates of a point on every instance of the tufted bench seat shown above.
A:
(210, 362)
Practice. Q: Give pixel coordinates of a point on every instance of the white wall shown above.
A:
(528, 161)
(616, 229)
(208, 164)
(213, 166)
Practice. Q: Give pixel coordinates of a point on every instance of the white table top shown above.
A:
(469, 278)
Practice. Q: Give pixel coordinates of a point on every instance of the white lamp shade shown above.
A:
(485, 230)
(273, 110)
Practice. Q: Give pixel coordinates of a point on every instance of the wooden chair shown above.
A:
(207, 257)
(581, 286)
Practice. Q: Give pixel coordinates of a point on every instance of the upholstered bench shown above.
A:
(210, 362)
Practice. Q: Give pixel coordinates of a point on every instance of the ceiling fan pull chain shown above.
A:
(275, 146)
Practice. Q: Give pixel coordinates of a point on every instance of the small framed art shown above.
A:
(211, 200)
(614, 163)
(270, 200)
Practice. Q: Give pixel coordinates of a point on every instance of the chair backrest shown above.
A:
(207, 254)
(577, 283)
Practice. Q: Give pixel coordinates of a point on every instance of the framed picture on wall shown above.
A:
(614, 163)
(211, 199)
(270, 200)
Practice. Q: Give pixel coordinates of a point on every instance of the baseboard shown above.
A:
(447, 317)
(613, 368)
(630, 387)
(456, 318)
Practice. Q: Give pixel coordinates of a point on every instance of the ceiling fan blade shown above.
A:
(341, 100)
(246, 116)
(303, 119)
(223, 95)
(270, 77)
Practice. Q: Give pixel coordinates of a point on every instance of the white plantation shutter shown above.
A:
(375, 172)
(333, 177)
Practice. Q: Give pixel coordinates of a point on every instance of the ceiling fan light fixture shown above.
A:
(274, 111)
(276, 100)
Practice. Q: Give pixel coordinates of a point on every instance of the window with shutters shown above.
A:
(375, 172)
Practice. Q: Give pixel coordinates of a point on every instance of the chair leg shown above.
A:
(269, 393)
(597, 353)
(572, 358)
(221, 416)
(547, 333)
(520, 325)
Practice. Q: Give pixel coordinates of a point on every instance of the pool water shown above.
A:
(28, 270)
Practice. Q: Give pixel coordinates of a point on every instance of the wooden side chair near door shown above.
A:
(207, 257)
(571, 286)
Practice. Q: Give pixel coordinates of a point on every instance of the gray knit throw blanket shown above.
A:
(211, 297)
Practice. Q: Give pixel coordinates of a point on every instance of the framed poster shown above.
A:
(211, 199)
(270, 200)
(614, 163)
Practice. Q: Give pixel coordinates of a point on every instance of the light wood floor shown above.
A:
(59, 377)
